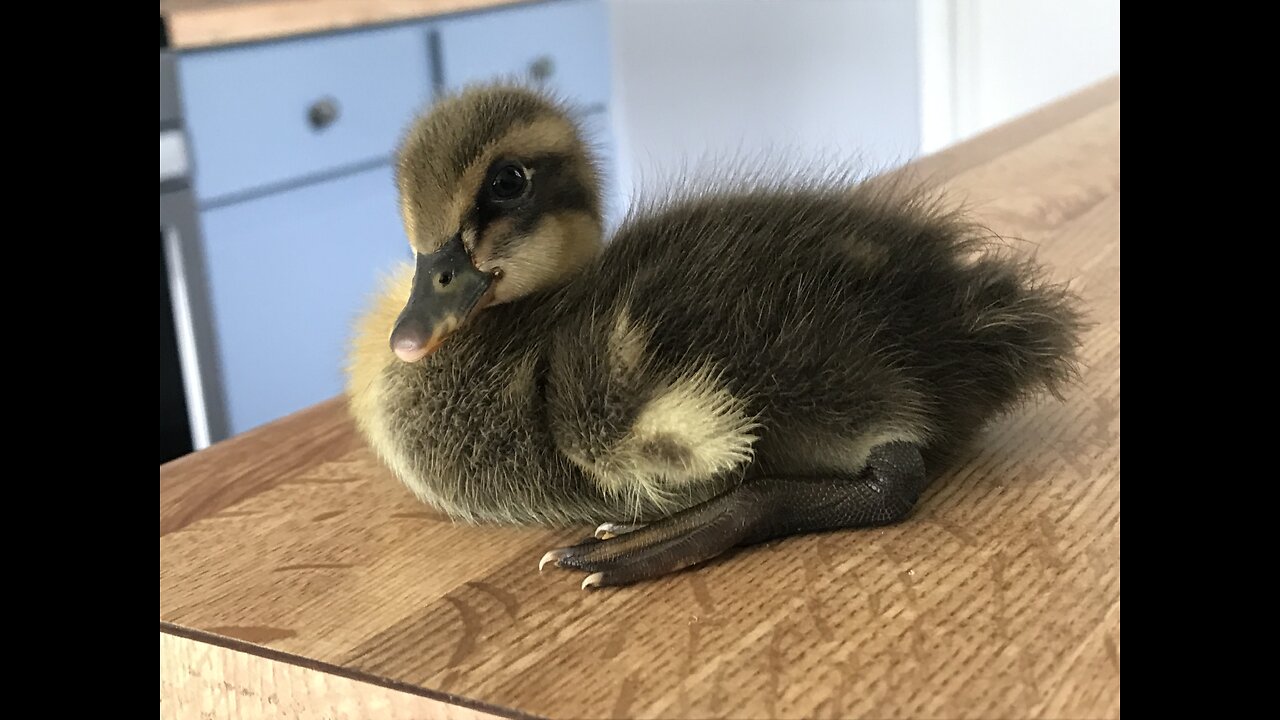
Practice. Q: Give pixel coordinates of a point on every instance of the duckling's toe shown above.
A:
(552, 556)
(610, 530)
(555, 556)
(644, 552)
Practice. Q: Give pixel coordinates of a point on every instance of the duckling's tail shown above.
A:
(1028, 329)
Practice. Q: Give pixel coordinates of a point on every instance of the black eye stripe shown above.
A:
(552, 184)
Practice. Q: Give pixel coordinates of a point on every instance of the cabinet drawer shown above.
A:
(564, 44)
(288, 275)
(265, 114)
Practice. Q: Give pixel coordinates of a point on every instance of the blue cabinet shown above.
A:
(288, 274)
(299, 209)
(563, 45)
(254, 111)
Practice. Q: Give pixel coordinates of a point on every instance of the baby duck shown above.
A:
(735, 365)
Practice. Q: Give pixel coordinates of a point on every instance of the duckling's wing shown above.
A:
(656, 437)
(829, 349)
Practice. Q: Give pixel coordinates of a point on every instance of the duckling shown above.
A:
(738, 363)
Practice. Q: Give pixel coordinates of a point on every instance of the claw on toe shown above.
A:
(592, 580)
(552, 557)
(611, 530)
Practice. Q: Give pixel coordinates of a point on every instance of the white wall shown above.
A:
(694, 78)
(1014, 55)
(876, 79)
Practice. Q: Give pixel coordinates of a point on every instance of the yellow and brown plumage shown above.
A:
(737, 363)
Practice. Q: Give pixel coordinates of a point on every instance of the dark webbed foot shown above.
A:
(755, 511)
(688, 537)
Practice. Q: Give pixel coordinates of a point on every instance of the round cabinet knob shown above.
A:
(542, 68)
(322, 113)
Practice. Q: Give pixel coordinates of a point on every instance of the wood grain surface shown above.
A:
(204, 23)
(200, 681)
(999, 598)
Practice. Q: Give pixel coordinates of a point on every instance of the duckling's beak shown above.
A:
(448, 290)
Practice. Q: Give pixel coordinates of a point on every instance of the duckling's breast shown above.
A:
(465, 429)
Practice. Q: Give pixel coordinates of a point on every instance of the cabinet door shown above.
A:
(564, 45)
(269, 113)
(289, 274)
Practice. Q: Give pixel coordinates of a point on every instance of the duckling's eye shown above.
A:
(508, 182)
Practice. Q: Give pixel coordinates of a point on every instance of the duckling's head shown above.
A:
(500, 199)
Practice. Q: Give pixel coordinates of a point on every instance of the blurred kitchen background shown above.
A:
(278, 119)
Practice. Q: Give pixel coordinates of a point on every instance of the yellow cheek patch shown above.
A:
(559, 247)
(497, 231)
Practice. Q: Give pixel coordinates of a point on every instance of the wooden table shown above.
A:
(299, 579)
(204, 23)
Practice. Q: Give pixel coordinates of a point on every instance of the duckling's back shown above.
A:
(822, 321)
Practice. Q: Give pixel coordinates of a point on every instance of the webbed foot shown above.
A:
(757, 510)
